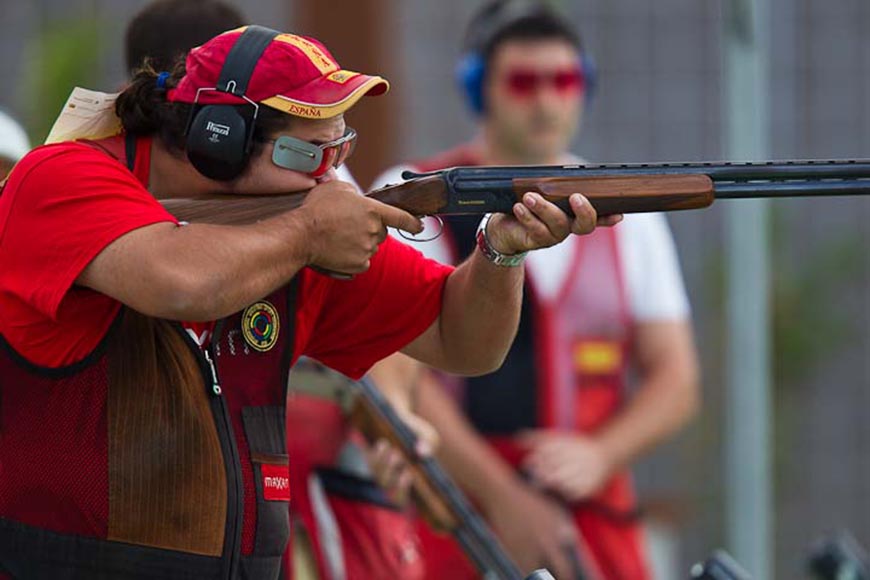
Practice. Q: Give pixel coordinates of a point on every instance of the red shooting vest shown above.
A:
(145, 459)
(582, 343)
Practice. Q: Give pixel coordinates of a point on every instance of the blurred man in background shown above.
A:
(164, 30)
(13, 143)
(545, 442)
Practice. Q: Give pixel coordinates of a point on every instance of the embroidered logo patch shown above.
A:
(276, 482)
(342, 76)
(260, 326)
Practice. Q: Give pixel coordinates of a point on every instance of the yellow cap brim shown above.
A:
(334, 98)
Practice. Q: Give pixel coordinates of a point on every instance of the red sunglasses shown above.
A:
(335, 153)
(526, 82)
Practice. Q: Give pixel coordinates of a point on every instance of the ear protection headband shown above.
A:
(219, 137)
(471, 68)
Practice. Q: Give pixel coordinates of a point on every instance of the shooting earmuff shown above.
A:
(219, 136)
(471, 68)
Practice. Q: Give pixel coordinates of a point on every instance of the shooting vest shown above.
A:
(152, 457)
(566, 370)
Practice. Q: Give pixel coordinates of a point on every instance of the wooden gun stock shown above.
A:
(614, 195)
(372, 423)
(420, 197)
(232, 210)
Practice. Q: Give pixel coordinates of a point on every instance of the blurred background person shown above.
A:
(165, 30)
(546, 441)
(13, 143)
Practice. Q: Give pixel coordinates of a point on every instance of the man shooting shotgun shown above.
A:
(143, 361)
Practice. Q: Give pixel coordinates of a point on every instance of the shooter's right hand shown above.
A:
(343, 229)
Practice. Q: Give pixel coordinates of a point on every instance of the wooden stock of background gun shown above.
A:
(611, 188)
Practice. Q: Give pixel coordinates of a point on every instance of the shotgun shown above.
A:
(438, 499)
(611, 188)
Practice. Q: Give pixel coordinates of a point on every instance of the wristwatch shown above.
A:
(490, 253)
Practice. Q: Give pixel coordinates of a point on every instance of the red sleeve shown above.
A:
(377, 313)
(62, 206)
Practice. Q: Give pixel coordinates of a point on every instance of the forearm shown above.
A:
(667, 398)
(657, 411)
(243, 264)
(198, 271)
(479, 315)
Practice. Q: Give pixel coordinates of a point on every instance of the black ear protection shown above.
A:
(471, 69)
(219, 137)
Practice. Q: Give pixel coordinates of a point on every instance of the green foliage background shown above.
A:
(63, 55)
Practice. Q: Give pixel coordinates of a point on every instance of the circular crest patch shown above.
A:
(260, 326)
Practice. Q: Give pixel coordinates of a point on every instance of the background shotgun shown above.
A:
(611, 188)
(437, 498)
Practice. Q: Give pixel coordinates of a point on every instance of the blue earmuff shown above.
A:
(469, 76)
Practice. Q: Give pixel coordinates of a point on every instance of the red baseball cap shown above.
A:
(295, 74)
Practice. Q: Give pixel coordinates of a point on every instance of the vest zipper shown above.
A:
(216, 386)
(208, 368)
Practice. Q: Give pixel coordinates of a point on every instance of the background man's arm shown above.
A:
(667, 397)
(535, 530)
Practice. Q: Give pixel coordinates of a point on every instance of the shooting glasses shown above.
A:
(311, 158)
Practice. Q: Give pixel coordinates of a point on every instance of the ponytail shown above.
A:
(144, 110)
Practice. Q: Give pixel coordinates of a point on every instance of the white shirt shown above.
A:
(648, 260)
